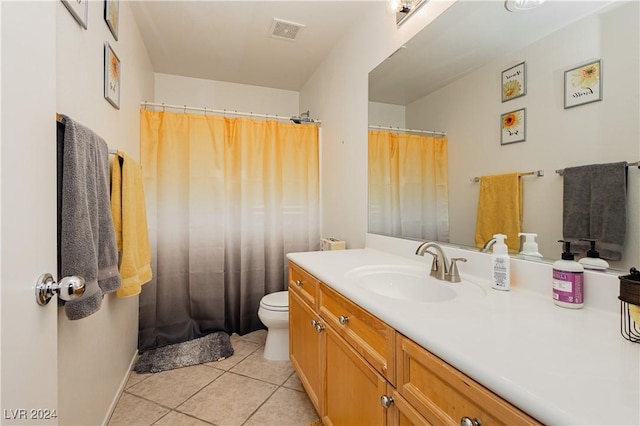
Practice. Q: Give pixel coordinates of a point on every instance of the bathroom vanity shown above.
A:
(495, 358)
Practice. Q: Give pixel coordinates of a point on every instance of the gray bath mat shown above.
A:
(212, 347)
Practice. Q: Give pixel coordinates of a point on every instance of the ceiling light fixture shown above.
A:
(522, 5)
(403, 8)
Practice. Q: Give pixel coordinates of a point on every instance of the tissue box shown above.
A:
(327, 244)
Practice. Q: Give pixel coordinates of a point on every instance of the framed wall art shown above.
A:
(514, 82)
(111, 76)
(79, 9)
(513, 126)
(111, 16)
(583, 84)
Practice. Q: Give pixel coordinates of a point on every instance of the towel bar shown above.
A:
(537, 173)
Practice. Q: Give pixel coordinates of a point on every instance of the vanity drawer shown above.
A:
(371, 338)
(443, 395)
(303, 284)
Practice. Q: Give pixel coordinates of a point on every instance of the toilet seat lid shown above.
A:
(278, 301)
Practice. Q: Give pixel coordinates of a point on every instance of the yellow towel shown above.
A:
(130, 223)
(500, 209)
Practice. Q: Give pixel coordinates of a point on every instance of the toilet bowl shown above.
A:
(274, 314)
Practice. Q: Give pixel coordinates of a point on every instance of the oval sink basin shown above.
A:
(411, 283)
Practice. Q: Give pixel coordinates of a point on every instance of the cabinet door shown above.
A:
(353, 388)
(305, 345)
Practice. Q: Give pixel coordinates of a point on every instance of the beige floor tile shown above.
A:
(178, 419)
(287, 407)
(135, 378)
(172, 387)
(229, 400)
(293, 382)
(241, 349)
(276, 372)
(258, 336)
(132, 410)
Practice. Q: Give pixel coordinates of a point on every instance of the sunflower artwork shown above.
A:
(583, 84)
(513, 127)
(514, 83)
(111, 76)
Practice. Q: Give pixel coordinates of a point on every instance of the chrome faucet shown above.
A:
(440, 267)
(485, 248)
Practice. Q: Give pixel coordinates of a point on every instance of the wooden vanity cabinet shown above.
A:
(357, 370)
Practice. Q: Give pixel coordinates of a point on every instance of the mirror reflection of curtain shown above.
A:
(408, 185)
(227, 198)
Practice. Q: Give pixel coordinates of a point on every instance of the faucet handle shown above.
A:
(434, 263)
(454, 275)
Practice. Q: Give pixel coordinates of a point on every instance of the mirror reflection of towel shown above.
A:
(595, 207)
(500, 209)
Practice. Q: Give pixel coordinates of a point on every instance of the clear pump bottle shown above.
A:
(500, 264)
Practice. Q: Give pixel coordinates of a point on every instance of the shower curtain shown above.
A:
(227, 198)
(408, 185)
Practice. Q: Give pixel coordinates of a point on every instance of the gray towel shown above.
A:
(87, 238)
(595, 207)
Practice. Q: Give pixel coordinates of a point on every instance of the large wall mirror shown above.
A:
(449, 78)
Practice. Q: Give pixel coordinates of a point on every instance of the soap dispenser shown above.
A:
(593, 261)
(568, 280)
(500, 267)
(529, 246)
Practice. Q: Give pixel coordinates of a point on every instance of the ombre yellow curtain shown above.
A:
(227, 198)
(408, 185)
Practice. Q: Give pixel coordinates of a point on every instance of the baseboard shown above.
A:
(121, 388)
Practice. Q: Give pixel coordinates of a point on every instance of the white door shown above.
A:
(28, 351)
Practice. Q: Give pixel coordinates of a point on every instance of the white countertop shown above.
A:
(561, 366)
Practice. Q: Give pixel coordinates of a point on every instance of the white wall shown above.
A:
(196, 92)
(607, 131)
(387, 115)
(95, 353)
(338, 93)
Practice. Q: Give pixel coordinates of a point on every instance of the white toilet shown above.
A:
(274, 313)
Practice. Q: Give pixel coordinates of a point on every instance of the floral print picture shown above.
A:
(514, 83)
(111, 76)
(513, 127)
(583, 84)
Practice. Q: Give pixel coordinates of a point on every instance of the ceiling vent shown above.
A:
(285, 29)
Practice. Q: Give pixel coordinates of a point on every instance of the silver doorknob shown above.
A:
(68, 288)
(386, 401)
(299, 283)
(467, 421)
(343, 319)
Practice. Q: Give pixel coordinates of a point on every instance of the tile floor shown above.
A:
(244, 389)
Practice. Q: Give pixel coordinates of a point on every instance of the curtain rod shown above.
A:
(634, 164)
(537, 173)
(398, 129)
(162, 105)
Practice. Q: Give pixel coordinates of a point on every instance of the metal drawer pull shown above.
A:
(343, 320)
(386, 401)
(467, 421)
(68, 288)
(299, 283)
